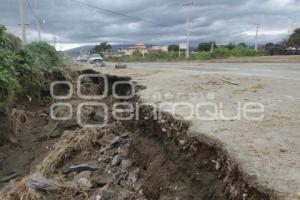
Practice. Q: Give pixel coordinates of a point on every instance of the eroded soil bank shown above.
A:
(137, 159)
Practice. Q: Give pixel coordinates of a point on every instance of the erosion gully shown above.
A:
(136, 159)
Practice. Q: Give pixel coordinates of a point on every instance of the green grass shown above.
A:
(219, 53)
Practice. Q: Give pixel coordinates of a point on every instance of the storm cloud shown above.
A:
(155, 21)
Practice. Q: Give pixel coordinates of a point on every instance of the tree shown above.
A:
(103, 47)
(205, 46)
(294, 39)
(242, 44)
(230, 46)
(173, 47)
(269, 46)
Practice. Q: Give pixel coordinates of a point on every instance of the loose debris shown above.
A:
(230, 82)
(140, 160)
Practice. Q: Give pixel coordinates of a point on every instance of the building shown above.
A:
(130, 50)
(143, 49)
(163, 48)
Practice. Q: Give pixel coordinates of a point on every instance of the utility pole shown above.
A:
(187, 54)
(38, 21)
(22, 19)
(212, 46)
(256, 37)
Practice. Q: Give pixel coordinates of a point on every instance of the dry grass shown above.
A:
(75, 141)
(21, 192)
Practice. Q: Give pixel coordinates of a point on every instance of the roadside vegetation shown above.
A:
(22, 68)
(204, 52)
(210, 50)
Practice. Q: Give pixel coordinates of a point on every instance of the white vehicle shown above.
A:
(95, 58)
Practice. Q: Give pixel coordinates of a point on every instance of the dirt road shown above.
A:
(267, 150)
(289, 71)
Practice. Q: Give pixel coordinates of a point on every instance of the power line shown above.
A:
(31, 10)
(37, 18)
(116, 13)
(107, 10)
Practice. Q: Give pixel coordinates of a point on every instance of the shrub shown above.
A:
(240, 51)
(46, 56)
(22, 68)
(221, 53)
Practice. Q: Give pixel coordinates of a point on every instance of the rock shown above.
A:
(182, 142)
(125, 135)
(120, 66)
(86, 79)
(40, 183)
(84, 183)
(99, 184)
(125, 164)
(84, 174)
(134, 175)
(98, 197)
(103, 149)
(298, 195)
(69, 184)
(11, 184)
(124, 195)
(106, 194)
(283, 149)
(80, 168)
(116, 141)
(65, 133)
(99, 116)
(116, 160)
(9, 177)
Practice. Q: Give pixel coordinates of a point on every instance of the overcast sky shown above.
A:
(153, 21)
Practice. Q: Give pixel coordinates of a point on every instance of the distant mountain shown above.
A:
(87, 48)
(76, 51)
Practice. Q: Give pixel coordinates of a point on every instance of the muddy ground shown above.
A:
(137, 159)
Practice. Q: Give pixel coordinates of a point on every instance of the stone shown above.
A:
(99, 116)
(115, 141)
(125, 164)
(81, 167)
(182, 142)
(116, 160)
(283, 149)
(84, 183)
(10, 185)
(106, 193)
(84, 174)
(120, 66)
(40, 183)
(125, 135)
(134, 175)
(99, 184)
(9, 177)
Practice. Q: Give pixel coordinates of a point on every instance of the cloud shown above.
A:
(156, 21)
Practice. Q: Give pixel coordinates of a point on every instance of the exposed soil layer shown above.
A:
(178, 166)
(139, 159)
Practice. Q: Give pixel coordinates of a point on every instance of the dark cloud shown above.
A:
(156, 21)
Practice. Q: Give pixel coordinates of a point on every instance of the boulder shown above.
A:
(40, 183)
